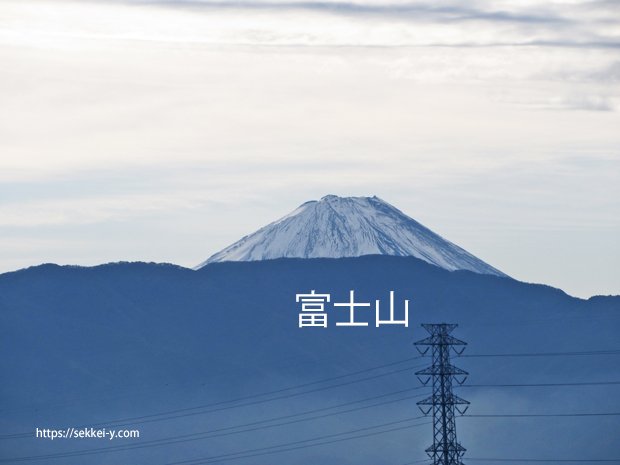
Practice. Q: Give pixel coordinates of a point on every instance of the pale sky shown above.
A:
(166, 130)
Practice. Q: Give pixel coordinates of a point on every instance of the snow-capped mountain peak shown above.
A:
(337, 227)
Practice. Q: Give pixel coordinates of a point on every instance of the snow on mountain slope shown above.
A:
(337, 227)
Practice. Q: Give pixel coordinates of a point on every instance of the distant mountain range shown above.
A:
(336, 227)
(132, 341)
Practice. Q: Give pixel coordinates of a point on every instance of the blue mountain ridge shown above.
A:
(84, 346)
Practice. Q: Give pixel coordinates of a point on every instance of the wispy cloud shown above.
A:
(334, 23)
(190, 123)
(412, 11)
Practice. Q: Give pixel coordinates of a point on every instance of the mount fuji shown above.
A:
(193, 359)
(337, 227)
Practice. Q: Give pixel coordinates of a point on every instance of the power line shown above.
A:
(209, 434)
(285, 448)
(192, 411)
(242, 454)
(599, 383)
(369, 406)
(151, 418)
(527, 415)
(546, 354)
(540, 354)
(311, 383)
(136, 420)
(147, 418)
(259, 451)
(303, 447)
(593, 383)
(475, 459)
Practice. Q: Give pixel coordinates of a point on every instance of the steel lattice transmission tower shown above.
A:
(443, 402)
